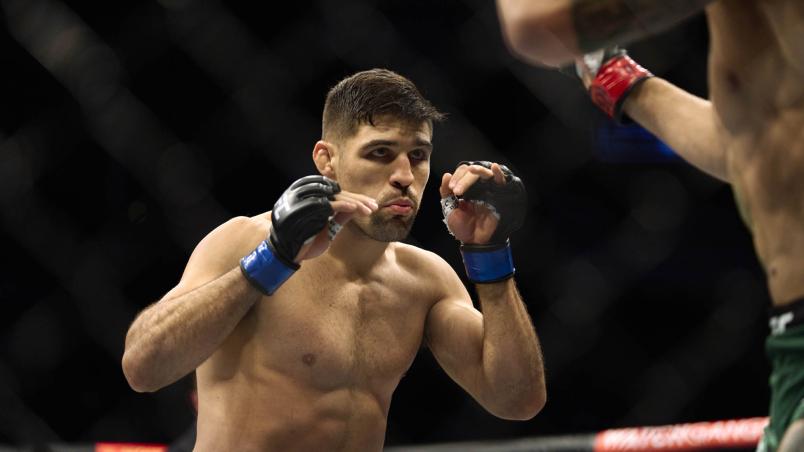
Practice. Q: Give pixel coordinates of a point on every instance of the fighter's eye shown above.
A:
(379, 152)
(419, 154)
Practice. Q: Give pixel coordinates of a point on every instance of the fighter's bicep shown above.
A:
(455, 337)
(454, 331)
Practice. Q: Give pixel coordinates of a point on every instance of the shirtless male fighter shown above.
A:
(298, 340)
(750, 132)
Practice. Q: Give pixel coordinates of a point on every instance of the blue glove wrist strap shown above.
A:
(265, 270)
(488, 263)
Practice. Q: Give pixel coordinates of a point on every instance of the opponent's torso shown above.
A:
(314, 367)
(756, 79)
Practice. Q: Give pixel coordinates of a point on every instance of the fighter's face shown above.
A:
(389, 161)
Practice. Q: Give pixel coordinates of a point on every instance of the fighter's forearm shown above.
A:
(174, 336)
(687, 123)
(512, 360)
(603, 23)
(554, 32)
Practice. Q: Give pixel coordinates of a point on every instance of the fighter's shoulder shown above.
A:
(423, 263)
(241, 227)
(435, 279)
(233, 238)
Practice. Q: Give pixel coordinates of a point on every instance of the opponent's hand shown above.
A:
(588, 66)
(610, 75)
(482, 202)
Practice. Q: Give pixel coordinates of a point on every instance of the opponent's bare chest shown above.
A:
(766, 166)
(752, 77)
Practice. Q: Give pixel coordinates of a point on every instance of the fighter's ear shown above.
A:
(324, 158)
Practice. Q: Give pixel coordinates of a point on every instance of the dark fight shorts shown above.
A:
(785, 350)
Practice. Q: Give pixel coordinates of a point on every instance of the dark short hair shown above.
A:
(359, 98)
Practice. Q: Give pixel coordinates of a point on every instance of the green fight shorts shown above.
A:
(785, 350)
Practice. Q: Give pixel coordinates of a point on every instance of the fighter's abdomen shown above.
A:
(274, 412)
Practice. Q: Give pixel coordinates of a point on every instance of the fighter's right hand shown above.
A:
(610, 75)
(303, 220)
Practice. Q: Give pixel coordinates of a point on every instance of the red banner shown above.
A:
(683, 437)
(129, 447)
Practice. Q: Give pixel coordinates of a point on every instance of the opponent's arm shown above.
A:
(553, 32)
(174, 336)
(686, 123)
(495, 356)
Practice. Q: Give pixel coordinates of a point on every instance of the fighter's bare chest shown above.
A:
(341, 333)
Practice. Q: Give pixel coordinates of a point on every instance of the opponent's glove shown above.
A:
(615, 75)
(298, 216)
(492, 262)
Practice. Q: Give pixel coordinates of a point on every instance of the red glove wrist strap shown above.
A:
(615, 79)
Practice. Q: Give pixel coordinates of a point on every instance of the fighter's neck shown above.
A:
(357, 252)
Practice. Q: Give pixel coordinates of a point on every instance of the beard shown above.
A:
(385, 227)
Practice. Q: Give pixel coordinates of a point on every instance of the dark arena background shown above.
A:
(130, 129)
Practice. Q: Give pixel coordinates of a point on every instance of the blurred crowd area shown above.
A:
(130, 129)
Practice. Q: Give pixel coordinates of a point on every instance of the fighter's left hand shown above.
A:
(483, 203)
(470, 222)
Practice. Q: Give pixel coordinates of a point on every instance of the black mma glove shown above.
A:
(298, 216)
(492, 261)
